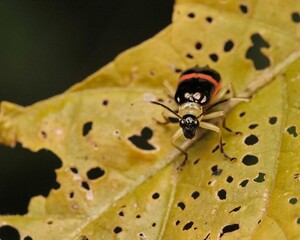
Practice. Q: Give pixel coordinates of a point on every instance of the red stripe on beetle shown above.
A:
(203, 76)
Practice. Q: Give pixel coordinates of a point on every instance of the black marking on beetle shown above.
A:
(229, 179)
(87, 127)
(198, 45)
(228, 46)
(117, 230)
(272, 120)
(222, 194)
(188, 226)
(141, 141)
(214, 57)
(181, 205)
(235, 209)
(295, 17)
(195, 195)
(209, 19)
(252, 126)
(85, 185)
(244, 183)
(9, 232)
(292, 131)
(244, 8)
(254, 53)
(155, 195)
(260, 178)
(95, 173)
(250, 160)
(229, 228)
(216, 171)
(293, 200)
(251, 140)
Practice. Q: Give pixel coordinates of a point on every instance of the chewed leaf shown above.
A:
(122, 178)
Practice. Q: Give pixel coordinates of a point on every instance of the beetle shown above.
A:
(197, 88)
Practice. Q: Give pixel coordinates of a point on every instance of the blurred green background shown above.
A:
(45, 47)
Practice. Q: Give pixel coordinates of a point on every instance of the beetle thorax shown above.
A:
(190, 108)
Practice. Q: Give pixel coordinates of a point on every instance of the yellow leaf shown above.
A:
(120, 177)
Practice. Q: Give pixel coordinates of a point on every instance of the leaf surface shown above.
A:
(120, 177)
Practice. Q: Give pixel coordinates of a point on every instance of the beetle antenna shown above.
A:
(164, 106)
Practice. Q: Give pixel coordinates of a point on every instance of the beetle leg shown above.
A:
(220, 114)
(214, 128)
(177, 135)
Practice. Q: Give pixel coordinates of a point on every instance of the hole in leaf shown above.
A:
(196, 161)
(35, 175)
(142, 140)
(251, 140)
(249, 160)
(189, 55)
(177, 222)
(155, 195)
(71, 195)
(117, 230)
(198, 45)
(292, 131)
(293, 200)
(181, 205)
(195, 194)
(121, 214)
(9, 233)
(260, 178)
(216, 171)
(95, 173)
(252, 126)
(242, 114)
(298, 220)
(74, 170)
(87, 127)
(207, 236)
(272, 120)
(153, 224)
(254, 53)
(295, 17)
(26, 238)
(222, 194)
(229, 179)
(228, 46)
(229, 228)
(138, 216)
(85, 185)
(235, 209)
(244, 8)
(209, 19)
(191, 15)
(105, 102)
(188, 226)
(214, 57)
(244, 183)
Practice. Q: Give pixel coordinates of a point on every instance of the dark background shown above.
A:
(45, 47)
